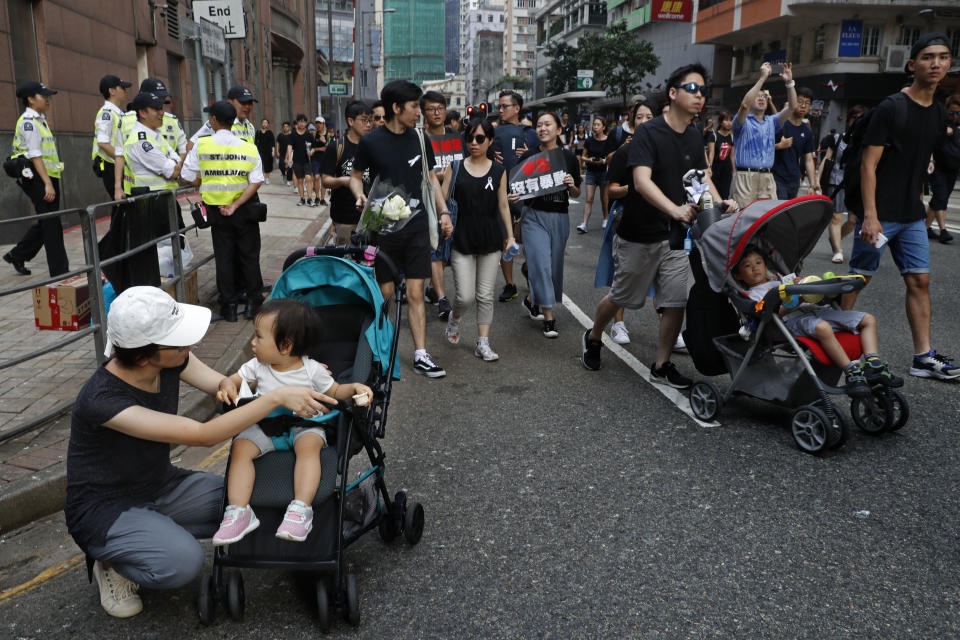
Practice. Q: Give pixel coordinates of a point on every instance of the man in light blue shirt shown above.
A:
(754, 137)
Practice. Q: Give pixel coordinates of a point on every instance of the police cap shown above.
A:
(152, 85)
(240, 94)
(223, 111)
(28, 89)
(146, 99)
(112, 82)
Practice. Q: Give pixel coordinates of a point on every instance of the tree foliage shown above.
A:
(562, 70)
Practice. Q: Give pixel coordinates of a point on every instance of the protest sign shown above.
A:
(539, 175)
(446, 149)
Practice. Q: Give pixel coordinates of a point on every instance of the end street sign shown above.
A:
(226, 13)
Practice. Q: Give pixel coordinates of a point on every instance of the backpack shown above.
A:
(852, 157)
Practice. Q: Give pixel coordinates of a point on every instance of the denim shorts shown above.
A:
(596, 177)
(908, 244)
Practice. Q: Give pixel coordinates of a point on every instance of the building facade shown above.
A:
(453, 88)
(483, 48)
(451, 16)
(520, 42)
(566, 21)
(413, 42)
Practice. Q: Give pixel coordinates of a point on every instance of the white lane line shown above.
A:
(673, 395)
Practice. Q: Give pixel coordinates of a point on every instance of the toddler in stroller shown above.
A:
(818, 322)
(284, 331)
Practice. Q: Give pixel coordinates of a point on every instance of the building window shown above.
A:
(796, 47)
(819, 42)
(870, 43)
(738, 62)
(490, 18)
(909, 35)
(23, 36)
(954, 36)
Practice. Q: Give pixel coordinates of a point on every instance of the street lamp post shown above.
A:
(359, 85)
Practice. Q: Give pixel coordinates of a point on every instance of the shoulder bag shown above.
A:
(427, 196)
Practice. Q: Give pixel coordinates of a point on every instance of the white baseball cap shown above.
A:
(148, 315)
(319, 119)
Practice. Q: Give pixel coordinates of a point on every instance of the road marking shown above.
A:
(673, 395)
(216, 456)
(43, 576)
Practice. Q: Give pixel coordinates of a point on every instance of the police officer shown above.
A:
(105, 127)
(242, 100)
(149, 162)
(229, 172)
(40, 180)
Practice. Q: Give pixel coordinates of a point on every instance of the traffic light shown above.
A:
(477, 111)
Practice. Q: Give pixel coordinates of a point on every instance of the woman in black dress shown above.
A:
(720, 154)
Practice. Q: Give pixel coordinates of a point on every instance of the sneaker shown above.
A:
(856, 383)
(934, 365)
(314, 203)
(323, 202)
(118, 596)
(680, 346)
(297, 522)
(669, 375)
(837, 258)
(582, 228)
(619, 333)
(931, 234)
(430, 296)
(533, 310)
(452, 332)
(425, 366)
(590, 358)
(550, 329)
(443, 308)
(945, 237)
(880, 373)
(484, 351)
(288, 183)
(603, 225)
(302, 203)
(266, 180)
(509, 293)
(237, 522)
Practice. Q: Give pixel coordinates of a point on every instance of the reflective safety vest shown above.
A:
(245, 132)
(171, 129)
(224, 170)
(153, 181)
(48, 146)
(127, 122)
(97, 151)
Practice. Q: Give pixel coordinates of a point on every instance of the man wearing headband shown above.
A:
(133, 513)
(904, 131)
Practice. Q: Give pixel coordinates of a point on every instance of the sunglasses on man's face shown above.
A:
(479, 138)
(377, 118)
(693, 87)
(953, 113)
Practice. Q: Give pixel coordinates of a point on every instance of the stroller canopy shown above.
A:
(327, 280)
(787, 229)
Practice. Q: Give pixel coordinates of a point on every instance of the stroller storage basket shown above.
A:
(776, 375)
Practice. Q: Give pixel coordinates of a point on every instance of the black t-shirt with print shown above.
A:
(343, 208)
(903, 166)
(396, 158)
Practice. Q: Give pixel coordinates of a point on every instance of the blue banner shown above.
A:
(851, 34)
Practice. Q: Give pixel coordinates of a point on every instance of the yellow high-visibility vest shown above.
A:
(245, 132)
(224, 170)
(97, 151)
(152, 181)
(48, 146)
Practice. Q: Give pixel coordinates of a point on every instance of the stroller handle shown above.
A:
(368, 253)
(833, 286)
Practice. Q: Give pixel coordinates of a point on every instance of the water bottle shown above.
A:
(511, 251)
(706, 201)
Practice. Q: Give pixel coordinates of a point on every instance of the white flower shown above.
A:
(396, 208)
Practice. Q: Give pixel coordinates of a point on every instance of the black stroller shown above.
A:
(359, 344)
(764, 359)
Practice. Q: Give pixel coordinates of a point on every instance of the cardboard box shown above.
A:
(64, 306)
(190, 291)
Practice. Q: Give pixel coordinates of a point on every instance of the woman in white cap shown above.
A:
(127, 507)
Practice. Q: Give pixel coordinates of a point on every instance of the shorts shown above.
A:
(839, 206)
(637, 265)
(299, 169)
(941, 186)
(410, 253)
(266, 444)
(597, 177)
(315, 167)
(804, 323)
(908, 244)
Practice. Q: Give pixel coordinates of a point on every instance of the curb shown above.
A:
(45, 491)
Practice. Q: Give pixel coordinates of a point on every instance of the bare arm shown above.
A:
(356, 187)
(327, 181)
(445, 181)
(617, 190)
(748, 99)
(711, 149)
(791, 93)
(251, 189)
(811, 172)
(826, 157)
(868, 191)
(504, 206)
(643, 183)
(41, 170)
(107, 148)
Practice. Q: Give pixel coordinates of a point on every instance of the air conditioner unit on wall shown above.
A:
(896, 58)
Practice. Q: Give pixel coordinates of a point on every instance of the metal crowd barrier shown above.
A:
(93, 268)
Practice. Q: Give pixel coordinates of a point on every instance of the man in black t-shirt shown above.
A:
(661, 152)
(283, 143)
(892, 190)
(298, 155)
(393, 152)
(337, 165)
(266, 146)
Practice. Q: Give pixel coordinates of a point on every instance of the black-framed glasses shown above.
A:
(479, 138)
(435, 109)
(693, 87)
(506, 106)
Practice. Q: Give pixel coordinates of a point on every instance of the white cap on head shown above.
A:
(148, 315)
(320, 119)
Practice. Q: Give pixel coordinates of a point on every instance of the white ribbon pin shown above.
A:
(489, 184)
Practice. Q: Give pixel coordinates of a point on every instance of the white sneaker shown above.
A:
(582, 227)
(603, 225)
(680, 345)
(452, 332)
(619, 333)
(118, 596)
(484, 351)
(837, 257)
(267, 180)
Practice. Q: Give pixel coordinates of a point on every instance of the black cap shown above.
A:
(240, 94)
(28, 89)
(223, 111)
(924, 41)
(111, 82)
(146, 99)
(152, 85)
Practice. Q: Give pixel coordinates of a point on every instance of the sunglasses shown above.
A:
(953, 113)
(479, 138)
(505, 106)
(378, 118)
(693, 87)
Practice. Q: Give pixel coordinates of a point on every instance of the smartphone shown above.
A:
(880, 241)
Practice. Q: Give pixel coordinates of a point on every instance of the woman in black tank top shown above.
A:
(479, 193)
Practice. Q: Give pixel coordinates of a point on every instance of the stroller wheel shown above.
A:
(873, 414)
(705, 400)
(353, 600)
(839, 430)
(811, 427)
(387, 527)
(323, 607)
(413, 523)
(235, 595)
(206, 603)
(901, 410)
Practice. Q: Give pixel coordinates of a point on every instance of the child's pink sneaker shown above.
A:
(237, 522)
(297, 522)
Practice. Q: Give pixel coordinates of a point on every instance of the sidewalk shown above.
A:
(32, 465)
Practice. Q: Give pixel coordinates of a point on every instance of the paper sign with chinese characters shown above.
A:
(446, 149)
(539, 175)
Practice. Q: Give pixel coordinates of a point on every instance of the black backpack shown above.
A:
(853, 152)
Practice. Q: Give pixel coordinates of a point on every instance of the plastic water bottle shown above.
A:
(511, 251)
(706, 201)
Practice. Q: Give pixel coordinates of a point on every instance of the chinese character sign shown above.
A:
(671, 10)
(539, 175)
(446, 149)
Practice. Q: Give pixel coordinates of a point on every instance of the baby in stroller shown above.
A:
(285, 329)
(820, 322)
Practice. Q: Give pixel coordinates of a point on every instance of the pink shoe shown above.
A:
(297, 522)
(237, 522)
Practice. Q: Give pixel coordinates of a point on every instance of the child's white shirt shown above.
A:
(312, 375)
(758, 291)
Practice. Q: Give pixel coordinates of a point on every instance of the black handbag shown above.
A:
(15, 166)
(255, 212)
(199, 213)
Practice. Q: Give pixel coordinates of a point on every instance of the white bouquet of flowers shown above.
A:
(386, 211)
